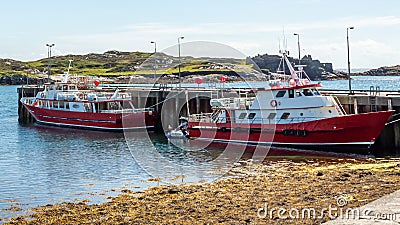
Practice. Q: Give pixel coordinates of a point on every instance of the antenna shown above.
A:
(69, 65)
(284, 40)
(284, 43)
(66, 74)
(279, 43)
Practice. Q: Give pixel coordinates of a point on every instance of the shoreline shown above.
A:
(137, 79)
(315, 183)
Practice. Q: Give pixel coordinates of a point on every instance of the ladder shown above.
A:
(372, 103)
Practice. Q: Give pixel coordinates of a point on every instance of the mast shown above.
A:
(66, 74)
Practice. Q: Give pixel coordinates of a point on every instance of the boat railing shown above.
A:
(338, 104)
(238, 103)
(273, 121)
(127, 110)
(28, 100)
(202, 117)
(208, 118)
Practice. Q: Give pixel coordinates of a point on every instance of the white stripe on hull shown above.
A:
(283, 143)
(94, 127)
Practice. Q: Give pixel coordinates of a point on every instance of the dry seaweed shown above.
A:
(237, 200)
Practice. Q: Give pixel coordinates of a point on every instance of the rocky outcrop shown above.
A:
(18, 80)
(314, 68)
(384, 71)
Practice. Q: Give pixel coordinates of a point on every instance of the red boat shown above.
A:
(62, 104)
(290, 113)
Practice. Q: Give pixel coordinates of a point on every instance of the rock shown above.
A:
(314, 68)
(346, 175)
(383, 71)
(173, 191)
(17, 80)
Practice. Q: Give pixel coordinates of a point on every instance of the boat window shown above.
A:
(75, 106)
(285, 116)
(271, 116)
(67, 105)
(291, 93)
(113, 106)
(316, 92)
(87, 107)
(65, 87)
(251, 116)
(242, 115)
(280, 94)
(61, 105)
(298, 93)
(307, 92)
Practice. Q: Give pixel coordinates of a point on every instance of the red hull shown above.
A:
(352, 131)
(89, 120)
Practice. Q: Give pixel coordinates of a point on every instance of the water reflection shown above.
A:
(43, 165)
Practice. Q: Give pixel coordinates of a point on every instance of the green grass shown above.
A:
(110, 64)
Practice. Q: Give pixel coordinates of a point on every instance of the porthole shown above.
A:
(301, 114)
(330, 111)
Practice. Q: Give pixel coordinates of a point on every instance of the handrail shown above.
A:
(340, 105)
(203, 118)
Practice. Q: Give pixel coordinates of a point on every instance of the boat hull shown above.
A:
(345, 134)
(94, 121)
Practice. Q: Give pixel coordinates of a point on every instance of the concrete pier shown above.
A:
(170, 103)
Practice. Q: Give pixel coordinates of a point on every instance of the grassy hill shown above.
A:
(115, 63)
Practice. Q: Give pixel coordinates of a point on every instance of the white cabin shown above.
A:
(277, 106)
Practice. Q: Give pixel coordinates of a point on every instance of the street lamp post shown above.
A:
(179, 58)
(155, 60)
(49, 46)
(348, 57)
(298, 45)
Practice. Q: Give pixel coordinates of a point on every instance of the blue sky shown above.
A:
(252, 27)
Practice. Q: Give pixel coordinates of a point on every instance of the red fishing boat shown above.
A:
(62, 104)
(290, 113)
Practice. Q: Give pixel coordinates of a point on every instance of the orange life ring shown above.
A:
(273, 103)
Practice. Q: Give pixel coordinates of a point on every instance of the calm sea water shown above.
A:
(41, 165)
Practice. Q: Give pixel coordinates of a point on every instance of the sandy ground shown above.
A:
(276, 192)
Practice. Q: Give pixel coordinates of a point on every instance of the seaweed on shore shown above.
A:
(238, 200)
